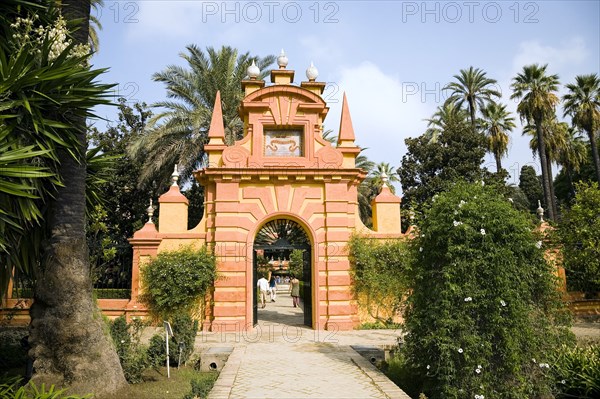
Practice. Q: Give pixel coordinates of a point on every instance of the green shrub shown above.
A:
(485, 311)
(12, 353)
(379, 273)
(577, 371)
(579, 233)
(132, 354)
(119, 331)
(201, 386)
(177, 281)
(184, 331)
(12, 389)
(157, 353)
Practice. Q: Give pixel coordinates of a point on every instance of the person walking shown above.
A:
(263, 286)
(273, 287)
(295, 291)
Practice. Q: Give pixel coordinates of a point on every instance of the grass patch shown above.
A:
(157, 386)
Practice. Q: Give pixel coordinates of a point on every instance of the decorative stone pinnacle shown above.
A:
(384, 178)
(540, 211)
(175, 176)
(150, 211)
(253, 71)
(282, 60)
(312, 72)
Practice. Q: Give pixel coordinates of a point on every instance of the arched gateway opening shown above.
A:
(278, 246)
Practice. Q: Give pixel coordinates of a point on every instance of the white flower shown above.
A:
(428, 367)
(511, 200)
(563, 381)
(456, 212)
(478, 371)
(420, 249)
(479, 366)
(502, 302)
(538, 244)
(455, 223)
(533, 360)
(122, 341)
(482, 231)
(468, 299)
(460, 350)
(461, 203)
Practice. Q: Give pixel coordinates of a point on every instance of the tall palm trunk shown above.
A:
(67, 336)
(472, 112)
(551, 180)
(544, 163)
(498, 158)
(595, 155)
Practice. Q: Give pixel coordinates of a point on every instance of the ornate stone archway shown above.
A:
(281, 169)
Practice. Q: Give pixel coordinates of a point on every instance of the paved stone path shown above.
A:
(283, 359)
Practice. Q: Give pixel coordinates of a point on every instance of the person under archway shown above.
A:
(295, 291)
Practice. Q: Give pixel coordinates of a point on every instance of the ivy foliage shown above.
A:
(177, 281)
(485, 315)
(579, 234)
(379, 272)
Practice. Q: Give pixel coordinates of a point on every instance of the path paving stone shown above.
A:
(285, 360)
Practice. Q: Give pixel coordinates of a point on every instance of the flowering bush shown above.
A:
(484, 303)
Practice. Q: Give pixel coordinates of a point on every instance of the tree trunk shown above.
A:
(69, 343)
(498, 161)
(552, 195)
(595, 155)
(472, 111)
(569, 173)
(544, 163)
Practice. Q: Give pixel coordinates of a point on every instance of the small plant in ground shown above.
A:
(12, 389)
(201, 386)
(485, 317)
(132, 354)
(577, 371)
(184, 335)
(177, 281)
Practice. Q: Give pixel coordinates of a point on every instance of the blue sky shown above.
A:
(390, 57)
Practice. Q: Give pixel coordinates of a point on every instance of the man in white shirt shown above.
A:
(263, 285)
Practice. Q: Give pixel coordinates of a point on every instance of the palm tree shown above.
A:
(555, 138)
(572, 154)
(583, 104)
(66, 328)
(384, 169)
(497, 123)
(474, 88)
(446, 115)
(538, 102)
(177, 134)
(329, 136)
(95, 26)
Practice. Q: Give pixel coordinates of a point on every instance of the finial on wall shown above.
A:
(150, 211)
(175, 176)
(282, 60)
(540, 212)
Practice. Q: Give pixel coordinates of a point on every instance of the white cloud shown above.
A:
(384, 111)
(569, 53)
